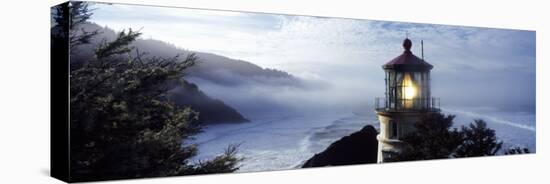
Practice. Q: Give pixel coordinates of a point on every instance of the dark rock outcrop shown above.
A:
(358, 148)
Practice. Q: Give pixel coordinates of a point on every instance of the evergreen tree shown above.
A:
(67, 19)
(122, 125)
(433, 139)
(478, 140)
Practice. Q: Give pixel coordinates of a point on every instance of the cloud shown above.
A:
(495, 67)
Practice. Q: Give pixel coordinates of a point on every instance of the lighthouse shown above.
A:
(407, 98)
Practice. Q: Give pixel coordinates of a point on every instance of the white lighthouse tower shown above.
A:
(407, 98)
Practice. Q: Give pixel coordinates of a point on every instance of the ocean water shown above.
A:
(279, 143)
(514, 129)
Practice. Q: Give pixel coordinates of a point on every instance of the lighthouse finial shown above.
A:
(407, 44)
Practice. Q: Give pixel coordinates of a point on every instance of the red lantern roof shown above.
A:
(408, 61)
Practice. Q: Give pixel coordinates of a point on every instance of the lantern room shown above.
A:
(407, 80)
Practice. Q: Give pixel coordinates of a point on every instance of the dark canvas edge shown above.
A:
(59, 112)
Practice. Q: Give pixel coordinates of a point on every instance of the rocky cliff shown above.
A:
(358, 148)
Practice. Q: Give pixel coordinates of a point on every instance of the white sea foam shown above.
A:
(268, 144)
(491, 119)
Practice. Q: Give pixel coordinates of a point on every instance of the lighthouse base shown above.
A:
(387, 147)
(393, 127)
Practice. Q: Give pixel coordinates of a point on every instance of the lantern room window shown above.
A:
(409, 90)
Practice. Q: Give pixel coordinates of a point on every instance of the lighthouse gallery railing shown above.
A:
(401, 105)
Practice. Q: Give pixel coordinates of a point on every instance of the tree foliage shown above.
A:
(122, 125)
(68, 18)
(435, 139)
(478, 140)
(516, 151)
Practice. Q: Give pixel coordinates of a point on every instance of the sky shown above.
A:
(474, 67)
